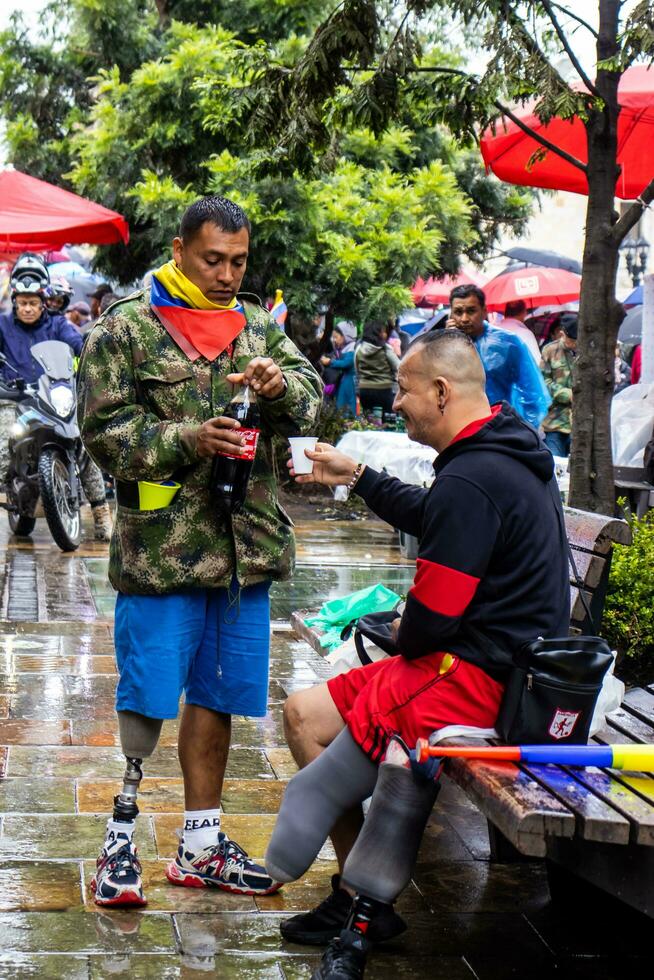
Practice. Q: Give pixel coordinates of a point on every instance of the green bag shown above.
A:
(336, 614)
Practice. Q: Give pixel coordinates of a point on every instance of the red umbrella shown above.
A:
(508, 152)
(40, 216)
(536, 285)
(435, 292)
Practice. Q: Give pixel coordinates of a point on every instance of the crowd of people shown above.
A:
(361, 374)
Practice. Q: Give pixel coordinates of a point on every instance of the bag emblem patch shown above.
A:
(563, 723)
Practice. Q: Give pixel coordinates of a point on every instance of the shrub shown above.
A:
(628, 623)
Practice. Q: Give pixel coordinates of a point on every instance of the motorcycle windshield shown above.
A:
(56, 359)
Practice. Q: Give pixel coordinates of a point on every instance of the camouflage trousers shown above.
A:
(90, 475)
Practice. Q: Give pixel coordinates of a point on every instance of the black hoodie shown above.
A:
(492, 567)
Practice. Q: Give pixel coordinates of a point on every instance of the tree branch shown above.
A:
(580, 20)
(633, 214)
(541, 139)
(568, 49)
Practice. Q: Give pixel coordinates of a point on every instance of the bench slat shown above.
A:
(595, 532)
(596, 820)
(641, 702)
(308, 633)
(625, 721)
(636, 808)
(521, 809)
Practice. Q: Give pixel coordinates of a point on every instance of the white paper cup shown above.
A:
(301, 463)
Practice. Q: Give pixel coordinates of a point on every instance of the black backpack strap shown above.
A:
(578, 581)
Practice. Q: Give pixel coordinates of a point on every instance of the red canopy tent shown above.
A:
(435, 292)
(508, 151)
(38, 216)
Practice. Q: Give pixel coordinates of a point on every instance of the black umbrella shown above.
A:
(537, 256)
(631, 328)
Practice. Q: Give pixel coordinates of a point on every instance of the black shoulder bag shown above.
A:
(553, 687)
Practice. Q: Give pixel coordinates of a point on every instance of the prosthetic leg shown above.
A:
(380, 864)
(138, 738)
(117, 880)
(315, 798)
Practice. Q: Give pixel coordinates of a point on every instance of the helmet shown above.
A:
(29, 264)
(27, 285)
(59, 289)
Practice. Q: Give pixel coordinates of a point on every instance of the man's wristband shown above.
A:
(358, 470)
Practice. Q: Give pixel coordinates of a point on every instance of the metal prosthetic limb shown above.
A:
(315, 798)
(380, 864)
(138, 737)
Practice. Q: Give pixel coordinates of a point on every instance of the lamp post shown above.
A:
(635, 252)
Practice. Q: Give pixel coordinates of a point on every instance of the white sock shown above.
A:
(117, 829)
(200, 828)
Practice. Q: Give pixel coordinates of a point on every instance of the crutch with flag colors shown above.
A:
(635, 757)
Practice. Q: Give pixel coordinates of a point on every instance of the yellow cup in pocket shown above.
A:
(154, 496)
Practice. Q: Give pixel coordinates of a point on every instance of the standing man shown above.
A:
(192, 612)
(515, 314)
(511, 374)
(558, 363)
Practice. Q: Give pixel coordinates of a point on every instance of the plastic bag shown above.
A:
(632, 418)
(512, 375)
(610, 698)
(338, 613)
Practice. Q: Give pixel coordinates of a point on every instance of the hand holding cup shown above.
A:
(330, 467)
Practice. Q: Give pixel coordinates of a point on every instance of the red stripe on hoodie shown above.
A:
(441, 589)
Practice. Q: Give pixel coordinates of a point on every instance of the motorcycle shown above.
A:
(45, 447)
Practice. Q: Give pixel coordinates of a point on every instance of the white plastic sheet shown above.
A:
(632, 421)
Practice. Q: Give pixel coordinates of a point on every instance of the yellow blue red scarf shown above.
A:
(189, 316)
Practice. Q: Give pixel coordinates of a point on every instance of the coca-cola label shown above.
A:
(251, 437)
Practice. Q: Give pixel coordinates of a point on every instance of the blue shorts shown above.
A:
(195, 641)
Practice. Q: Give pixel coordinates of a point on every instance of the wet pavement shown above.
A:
(61, 763)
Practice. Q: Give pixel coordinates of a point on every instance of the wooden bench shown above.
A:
(595, 827)
(631, 484)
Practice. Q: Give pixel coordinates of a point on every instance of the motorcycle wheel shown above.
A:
(21, 526)
(64, 522)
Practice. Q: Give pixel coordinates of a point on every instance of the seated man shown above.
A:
(491, 574)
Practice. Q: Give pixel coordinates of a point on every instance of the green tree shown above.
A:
(525, 41)
(349, 231)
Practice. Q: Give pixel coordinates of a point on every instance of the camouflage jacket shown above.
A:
(557, 366)
(141, 402)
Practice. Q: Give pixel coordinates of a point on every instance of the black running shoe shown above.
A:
(324, 923)
(344, 958)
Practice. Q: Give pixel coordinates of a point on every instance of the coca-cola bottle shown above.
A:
(230, 474)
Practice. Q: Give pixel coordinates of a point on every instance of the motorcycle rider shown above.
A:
(30, 323)
(59, 295)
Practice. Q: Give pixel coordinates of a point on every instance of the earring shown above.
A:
(441, 405)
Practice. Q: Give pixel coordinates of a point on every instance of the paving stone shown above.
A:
(477, 886)
(70, 760)
(157, 967)
(3, 761)
(251, 832)
(114, 932)
(39, 886)
(105, 732)
(45, 966)
(61, 837)
(24, 795)
(283, 764)
(19, 731)
(56, 663)
(155, 795)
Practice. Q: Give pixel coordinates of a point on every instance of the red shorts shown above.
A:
(412, 698)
